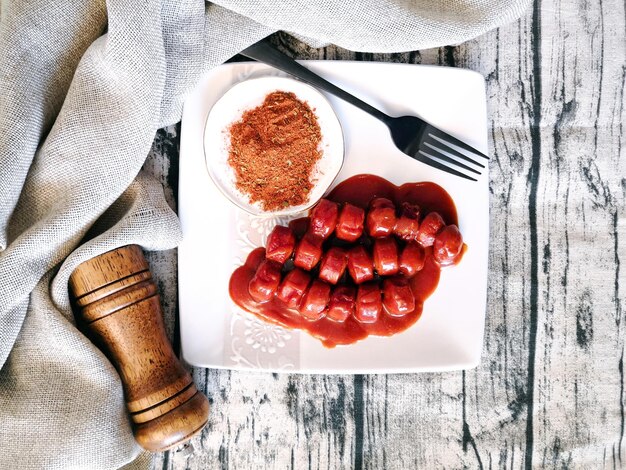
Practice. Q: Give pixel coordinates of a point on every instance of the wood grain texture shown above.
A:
(549, 392)
(118, 308)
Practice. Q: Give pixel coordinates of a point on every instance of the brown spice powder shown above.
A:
(273, 150)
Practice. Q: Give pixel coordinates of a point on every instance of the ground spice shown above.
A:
(273, 150)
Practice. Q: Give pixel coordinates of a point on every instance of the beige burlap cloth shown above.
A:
(84, 85)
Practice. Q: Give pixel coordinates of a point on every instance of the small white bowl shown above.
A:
(250, 94)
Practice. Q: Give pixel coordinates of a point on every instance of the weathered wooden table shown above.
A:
(550, 389)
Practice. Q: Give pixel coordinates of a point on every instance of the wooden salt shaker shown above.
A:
(118, 308)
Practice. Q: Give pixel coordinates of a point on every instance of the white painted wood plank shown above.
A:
(550, 390)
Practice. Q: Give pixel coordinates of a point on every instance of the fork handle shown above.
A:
(265, 52)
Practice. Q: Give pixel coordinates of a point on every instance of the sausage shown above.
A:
(412, 259)
(265, 281)
(360, 265)
(308, 252)
(448, 245)
(342, 303)
(293, 287)
(381, 218)
(333, 265)
(280, 244)
(386, 256)
(368, 303)
(407, 225)
(324, 218)
(350, 223)
(313, 306)
(429, 228)
(378, 202)
(398, 298)
(299, 226)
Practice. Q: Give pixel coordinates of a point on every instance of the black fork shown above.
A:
(412, 135)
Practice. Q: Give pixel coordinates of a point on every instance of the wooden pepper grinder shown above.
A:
(118, 308)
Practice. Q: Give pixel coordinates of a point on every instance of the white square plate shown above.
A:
(218, 237)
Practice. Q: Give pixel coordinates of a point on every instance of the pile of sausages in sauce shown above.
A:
(349, 270)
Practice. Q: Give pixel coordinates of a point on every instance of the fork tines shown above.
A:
(437, 145)
(450, 139)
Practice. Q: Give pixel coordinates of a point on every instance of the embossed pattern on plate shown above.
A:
(218, 237)
(254, 343)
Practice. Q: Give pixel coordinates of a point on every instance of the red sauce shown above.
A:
(361, 189)
(358, 190)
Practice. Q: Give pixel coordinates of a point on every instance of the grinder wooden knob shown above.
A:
(117, 305)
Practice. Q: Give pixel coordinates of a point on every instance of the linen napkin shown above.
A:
(84, 85)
